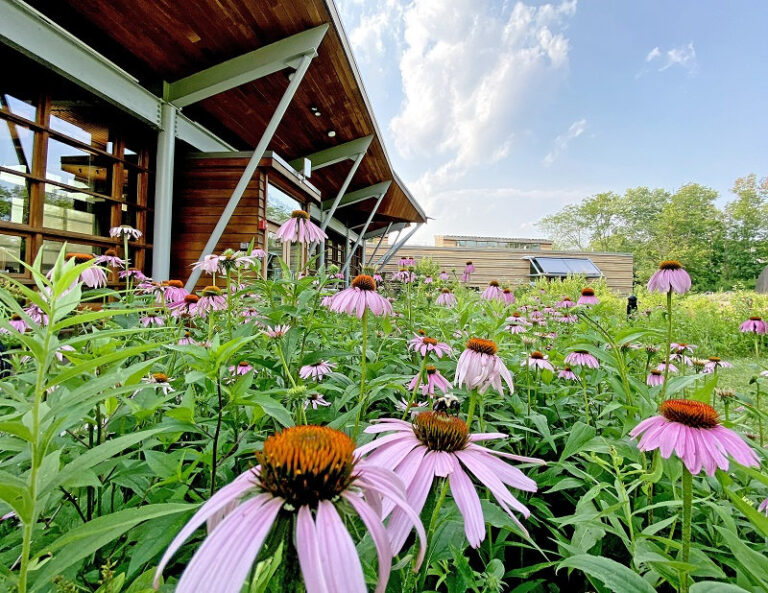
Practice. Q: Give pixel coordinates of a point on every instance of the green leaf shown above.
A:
(704, 393)
(753, 562)
(84, 540)
(715, 587)
(759, 520)
(270, 406)
(579, 436)
(617, 577)
(98, 454)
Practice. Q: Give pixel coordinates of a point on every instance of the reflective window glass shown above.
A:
(79, 168)
(66, 210)
(51, 251)
(16, 146)
(280, 205)
(22, 107)
(12, 246)
(14, 198)
(82, 121)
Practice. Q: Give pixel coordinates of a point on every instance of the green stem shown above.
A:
(687, 511)
(587, 413)
(472, 406)
(759, 413)
(757, 346)
(433, 526)
(363, 363)
(285, 365)
(669, 344)
(415, 388)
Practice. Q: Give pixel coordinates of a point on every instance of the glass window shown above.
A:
(12, 246)
(130, 186)
(558, 266)
(14, 198)
(79, 168)
(16, 146)
(280, 205)
(66, 210)
(274, 252)
(22, 107)
(51, 251)
(75, 119)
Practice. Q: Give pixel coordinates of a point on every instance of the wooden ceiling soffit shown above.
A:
(335, 154)
(360, 195)
(285, 53)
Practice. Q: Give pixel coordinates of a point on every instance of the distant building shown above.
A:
(505, 260)
(492, 242)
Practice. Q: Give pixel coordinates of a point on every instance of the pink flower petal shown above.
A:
(338, 555)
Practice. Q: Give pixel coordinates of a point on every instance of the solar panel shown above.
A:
(565, 266)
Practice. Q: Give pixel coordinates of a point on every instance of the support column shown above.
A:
(384, 234)
(253, 163)
(392, 250)
(360, 238)
(161, 238)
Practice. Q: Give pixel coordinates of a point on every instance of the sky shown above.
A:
(496, 113)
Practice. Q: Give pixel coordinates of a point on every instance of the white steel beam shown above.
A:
(335, 154)
(357, 196)
(285, 53)
(196, 135)
(381, 238)
(392, 250)
(391, 228)
(166, 143)
(362, 233)
(253, 163)
(36, 36)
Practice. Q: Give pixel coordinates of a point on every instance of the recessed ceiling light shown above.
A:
(331, 133)
(317, 113)
(313, 108)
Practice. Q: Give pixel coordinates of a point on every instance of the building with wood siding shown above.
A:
(203, 124)
(513, 267)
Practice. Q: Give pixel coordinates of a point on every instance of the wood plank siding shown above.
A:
(508, 266)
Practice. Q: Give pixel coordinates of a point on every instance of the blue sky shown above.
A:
(497, 113)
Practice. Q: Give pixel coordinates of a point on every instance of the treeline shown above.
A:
(721, 248)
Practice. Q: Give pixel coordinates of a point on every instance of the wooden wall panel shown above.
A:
(508, 266)
(203, 188)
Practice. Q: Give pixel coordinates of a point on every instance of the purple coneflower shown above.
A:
(670, 277)
(173, 291)
(753, 325)
(315, 399)
(241, 368)
(763, 507)
(516, 328)
(655, 378)
(124, 230)
(161, 380)
(566, 303)
(444, 276)
(187, 339)
(210, 264)
(469, 268)
(662, 366)
(683, 347)
(109, 257)
(678, 355)
(446, 298)
(404, 275)
(16, 322)
(152, 318)
(359, 297)
(316, 370)
(587, 297)
(536, 315)
(304, 476)
(277, 331)
(406, 262)
(212, 300)
(567, 319)
(440, 445)
(93, 277)
(509, 296)
(493, 292)
(428, 280)
(434, 380)
(693, 431)
(185, 307)
(258, 254)
(567, 373)
(425, 344)
(36, 314)
(61, 352)
(715, 362)
(538, 361)
(377, 278)
(582, 358)
(133, 273)
(480, 368)
(403, 405)
(299, 228)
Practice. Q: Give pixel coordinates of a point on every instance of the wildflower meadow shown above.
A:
(396, 434)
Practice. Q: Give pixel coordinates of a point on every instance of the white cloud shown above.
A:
(561, 143)
(467, 69)
(683, 56)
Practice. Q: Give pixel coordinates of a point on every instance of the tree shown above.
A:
(746, 230)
